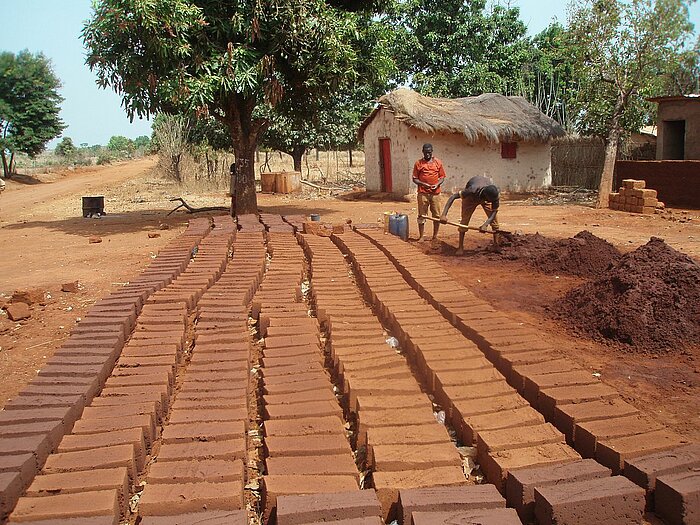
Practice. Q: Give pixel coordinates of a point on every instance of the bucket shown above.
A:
(315, 217)
(93, 206)
(402, 226)
(267, 182)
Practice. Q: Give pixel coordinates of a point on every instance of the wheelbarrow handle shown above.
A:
(461, 226)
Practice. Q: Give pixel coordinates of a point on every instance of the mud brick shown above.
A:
(678, 497)
(157, 393)
(100, 370)
(315, 508)
(483, 390)
(38, 388)
(203, 431)
(323, 465)
(38, 444)
(535, 383)
(518, 417)
(551, 397)
(123, 409)
(208, 415)
(11, 486)
(291, 484)
(304, 426)
(230, 450)
(424, 434)
(316, 383)
(307, 445)
(633, 184)
(25, 464)
(390, 402)
(132, 377)
(521, 483)
(399, 456)
(91, 480)
(605, 501)
(192, 471)
(588, 434)
(104, 457)
(388, 484)
(497, 465)
(298, 410)
(298, 398)
(208, 517)
(566, 416)
(96, 426)
(441, 499)
(481, 516)
(490, 441)
(53, 429)
(72, 405)
(613, 452)
(133, 436)
(181, 498)
(395, 417)
(63, 506)
(462, 408)
(520, 372)
(645, 469)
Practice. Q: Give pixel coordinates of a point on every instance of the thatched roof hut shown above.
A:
(489, 117)
(505, 138)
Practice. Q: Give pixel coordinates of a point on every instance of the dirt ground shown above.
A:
(44, 242)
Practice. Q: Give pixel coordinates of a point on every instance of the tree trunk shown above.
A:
(350, 157)
(244, 134)
(297, 155)
(5, 166)
(606, 178)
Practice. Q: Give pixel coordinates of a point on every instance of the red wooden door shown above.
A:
(385, 164)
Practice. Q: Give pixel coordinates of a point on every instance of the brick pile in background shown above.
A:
(634, 197)
(35, 422)
(307, 451)
(592, 415)
(404, 446)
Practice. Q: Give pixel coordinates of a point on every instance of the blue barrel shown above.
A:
(393, 224)
(402, 226)
(315, 217)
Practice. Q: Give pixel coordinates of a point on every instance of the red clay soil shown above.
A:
(584, 254)
(649, 300)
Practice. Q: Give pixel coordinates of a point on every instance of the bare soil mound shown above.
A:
(584, 255)
(649, 299)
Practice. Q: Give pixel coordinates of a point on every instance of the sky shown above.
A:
(93, 115)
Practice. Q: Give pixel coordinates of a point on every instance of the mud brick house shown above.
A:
(505, 138)
(675, 173)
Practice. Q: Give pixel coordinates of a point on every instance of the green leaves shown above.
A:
(29, 103)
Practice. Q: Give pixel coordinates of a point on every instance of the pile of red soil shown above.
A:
(649, 299)
(584, 255)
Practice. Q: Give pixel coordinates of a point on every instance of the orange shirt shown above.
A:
(430, 172)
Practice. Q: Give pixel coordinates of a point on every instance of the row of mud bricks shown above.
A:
(160, 398)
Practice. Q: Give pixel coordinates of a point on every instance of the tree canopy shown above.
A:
(223, 59)
(625, 51)
(29, 106)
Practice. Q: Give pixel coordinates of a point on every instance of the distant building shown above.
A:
(505, 138)
(678, 124)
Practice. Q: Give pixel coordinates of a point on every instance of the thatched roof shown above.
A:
(489, 117)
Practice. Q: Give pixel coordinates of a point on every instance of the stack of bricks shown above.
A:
(307, 452)
(634, 197)
(405, 447)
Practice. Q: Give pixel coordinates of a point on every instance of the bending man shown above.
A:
(478, 191)
(428, 175)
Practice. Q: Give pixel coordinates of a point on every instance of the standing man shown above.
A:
(479, 190)
(428, 175)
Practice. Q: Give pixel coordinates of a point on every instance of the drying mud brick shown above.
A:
(342, 464)
(604, 501)
(521, 483)
(64, 506)
(182, 498)
(388, 484)
(440, 499)
(481, 516)
(300, 510)
(678, 498)
(613, 452)
(567, 416)
(207, 517)
(191, 471)
(645, 469)
(11, 487)
(307, 445)
(588, 434)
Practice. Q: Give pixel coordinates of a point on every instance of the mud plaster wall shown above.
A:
(688, 110)
(676, 181)
(530, 170)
